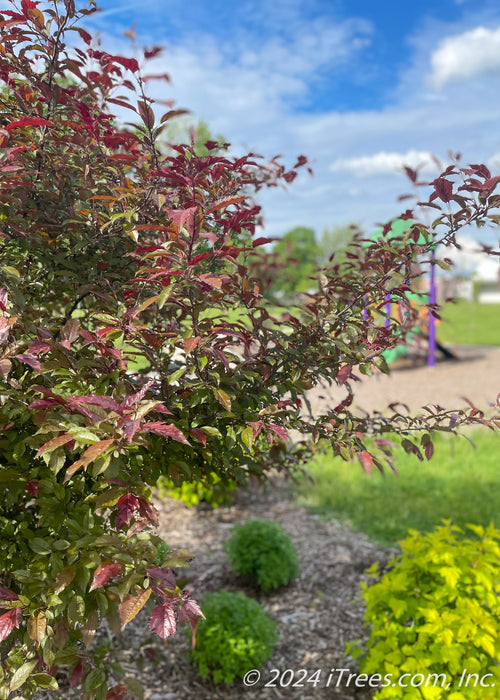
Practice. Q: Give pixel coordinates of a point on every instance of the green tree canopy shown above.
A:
(182, 130)
(299, 255)
(296, 255)
(333, 243)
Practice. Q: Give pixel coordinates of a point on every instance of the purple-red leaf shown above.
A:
(139, 525)
(9, 621)
(7, 595)
(38, 347)
(190, 609)
(257, 427)
(199, 434)
(147, 113)
(130, 427)
(491, 183)
(301, 160)
(129, 63)
(32, 488)
(191, 612)
(28, 121)
(84, 35)
(262, 241)
(279, 431)
(126, 505)
(223, 359)
(412, 174)
(184, 217)
(30, 360)
(70, 7)
(429, 449)
(160, 408)
(344, 374)
(165, 576)
(39, 404)
(77, 674)
(148, 511)
(134, 399)
(443, 188)
(106, 402)
(165, 430)
(103, 573)
(366, 461)
(151, 53)
(162, 621)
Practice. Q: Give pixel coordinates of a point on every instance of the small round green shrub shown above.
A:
(435, 616)
(263, 552)
(236, 636)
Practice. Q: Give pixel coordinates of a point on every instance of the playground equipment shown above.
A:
(398, 229)
(418, 301)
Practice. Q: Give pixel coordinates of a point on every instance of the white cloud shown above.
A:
(469, 260)
(466, 55)
(384, 162)
(243, 87)
(314, 46)
(250, 91)
(494, 161)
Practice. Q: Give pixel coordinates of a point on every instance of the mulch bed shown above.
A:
(316, 615)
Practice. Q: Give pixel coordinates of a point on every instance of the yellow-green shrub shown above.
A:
(215, 491)
(436, 611)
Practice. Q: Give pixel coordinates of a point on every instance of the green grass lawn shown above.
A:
(460, 483)
(470, 323)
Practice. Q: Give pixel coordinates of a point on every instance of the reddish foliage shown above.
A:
(91, 365)
(126, 506)
(8, 622)
(162, 621)
(104, 573)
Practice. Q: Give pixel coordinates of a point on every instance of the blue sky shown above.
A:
(359, 87)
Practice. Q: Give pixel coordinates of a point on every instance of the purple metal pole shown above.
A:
(388, 310)
(431, 323)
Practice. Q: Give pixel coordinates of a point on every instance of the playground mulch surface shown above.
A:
(473, 375)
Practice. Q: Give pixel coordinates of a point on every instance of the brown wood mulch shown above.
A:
(316, 615)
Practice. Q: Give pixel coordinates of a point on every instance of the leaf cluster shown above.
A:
(236, 636)
(263, 552)
(436, 610)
